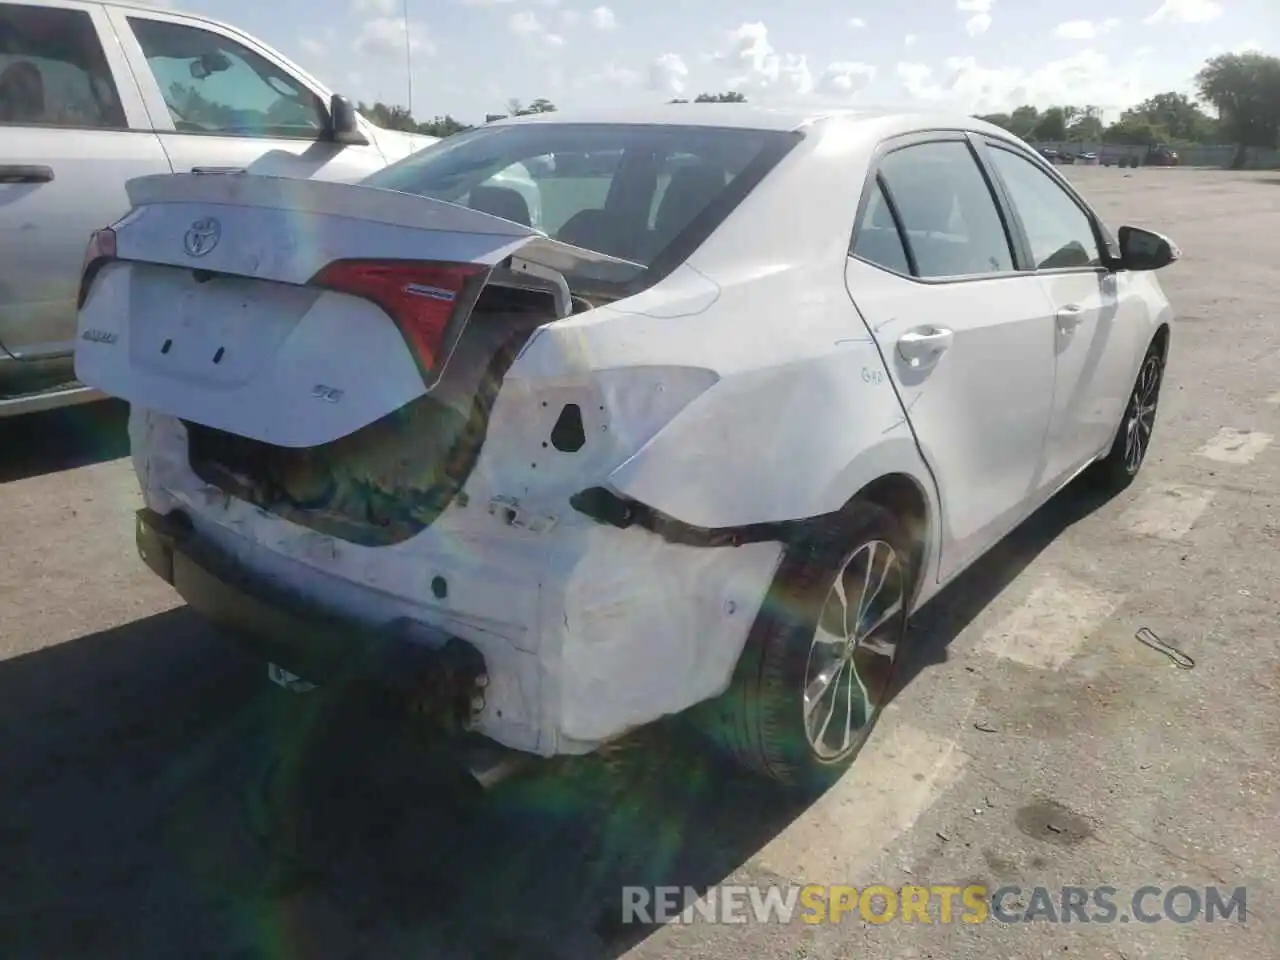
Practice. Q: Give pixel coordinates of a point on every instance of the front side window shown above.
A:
(213, 85)
(53, 72)
(948, 213)
(1059, 232)
(626, 190)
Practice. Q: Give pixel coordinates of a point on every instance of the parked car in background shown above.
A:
(549, 489)
(95, 93)
(1162, 157)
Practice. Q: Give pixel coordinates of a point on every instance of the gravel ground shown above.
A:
(1036, 743)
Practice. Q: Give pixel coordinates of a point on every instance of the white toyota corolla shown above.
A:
(762, 383)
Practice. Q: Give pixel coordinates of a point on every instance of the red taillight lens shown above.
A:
(421, 298)
(101, 249)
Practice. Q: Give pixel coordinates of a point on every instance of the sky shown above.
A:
(470, 57)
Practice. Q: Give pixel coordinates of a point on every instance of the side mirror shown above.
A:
(1145, 250)
(343, 127)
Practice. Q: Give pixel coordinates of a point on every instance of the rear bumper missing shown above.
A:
(440, 676)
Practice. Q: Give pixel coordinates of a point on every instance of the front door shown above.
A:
(219, 103)
(1097, 320)
(967, 340)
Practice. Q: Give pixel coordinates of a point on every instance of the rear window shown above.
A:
(647, 194)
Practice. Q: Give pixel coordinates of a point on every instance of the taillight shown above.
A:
(420, 298)
(101, 250)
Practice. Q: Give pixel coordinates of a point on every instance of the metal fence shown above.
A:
(1220, 155)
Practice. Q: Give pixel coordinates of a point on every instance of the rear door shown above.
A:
(1099, 322)
(217, 98)
(967, 339)
(73, 130)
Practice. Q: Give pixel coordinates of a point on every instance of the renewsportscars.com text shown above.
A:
(944, 904)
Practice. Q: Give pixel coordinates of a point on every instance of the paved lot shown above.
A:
(1037, 743)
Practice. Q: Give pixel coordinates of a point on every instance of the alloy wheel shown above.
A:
(854, 649)
(1140, 419)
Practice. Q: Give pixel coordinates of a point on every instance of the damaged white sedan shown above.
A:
(760, 385)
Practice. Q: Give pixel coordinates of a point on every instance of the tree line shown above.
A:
(394, 117)
(1243, 90)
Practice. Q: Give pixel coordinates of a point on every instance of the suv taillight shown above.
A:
(420, 298)
(101, 250)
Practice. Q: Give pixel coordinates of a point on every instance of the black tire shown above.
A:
(761, 719)
(1120, 466)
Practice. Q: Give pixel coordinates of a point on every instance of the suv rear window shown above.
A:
(644, 193)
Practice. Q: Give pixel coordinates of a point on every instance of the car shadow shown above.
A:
(942, 619)
(156, 790)
(37, 444)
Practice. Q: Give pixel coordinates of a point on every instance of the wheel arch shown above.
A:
(893, 475)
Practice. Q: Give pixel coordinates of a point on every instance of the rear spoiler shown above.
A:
(491, 240)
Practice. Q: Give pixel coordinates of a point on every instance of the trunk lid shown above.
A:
(296, 312)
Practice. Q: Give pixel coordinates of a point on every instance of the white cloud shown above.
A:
(317, 48)
(379, 8)
(910, 40)
(764, 70)
(383, 36)
(846, 78)
(570, 18)
(1249, 46)
(978, 24)
(668, 74)
(602, 18)
(613, 74)
(857, 23)
(485, 3)
(1086, 76)
(1186, 11)
(1084, 29)
(536, 35)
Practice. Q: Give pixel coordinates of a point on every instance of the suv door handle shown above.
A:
(923, 346)
(25, 173)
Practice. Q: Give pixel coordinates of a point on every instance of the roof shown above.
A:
(748, 116)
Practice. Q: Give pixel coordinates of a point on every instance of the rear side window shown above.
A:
(1059, 232)
(947, 210)
(877, 239)
(633, 191)
(53, 72)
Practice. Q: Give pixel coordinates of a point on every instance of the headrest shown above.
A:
(503, 202)
(690, 191)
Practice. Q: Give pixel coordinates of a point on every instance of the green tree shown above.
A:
(1085, 123)
(1133, 131)
(445, 126)
(388, 116)
(1052, 125)
(732, 96)
(1177, 115)
(1245, 89)
(516, 108)
(1023, 120)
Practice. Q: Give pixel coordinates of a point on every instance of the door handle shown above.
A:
(923, 346)
(1070, 317)
(25, 173)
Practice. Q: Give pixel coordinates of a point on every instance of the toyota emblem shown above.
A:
(202, 237)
